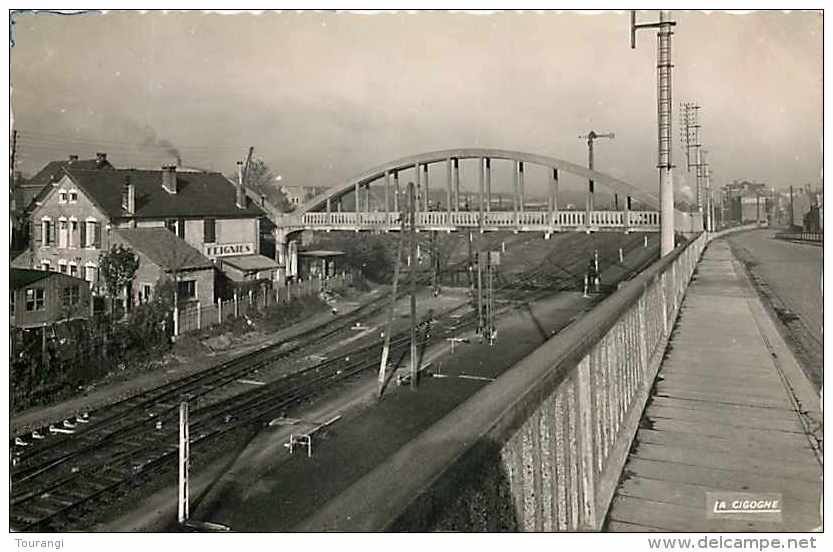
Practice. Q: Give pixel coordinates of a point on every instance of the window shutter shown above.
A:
(37, 234)
(51, 227)
(97, 239)
(83, 232)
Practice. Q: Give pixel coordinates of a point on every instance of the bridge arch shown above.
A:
(409, 162)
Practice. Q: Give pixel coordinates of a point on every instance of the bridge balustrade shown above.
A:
(528, 220)
(542, 447)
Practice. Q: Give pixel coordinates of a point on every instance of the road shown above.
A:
(792, 277)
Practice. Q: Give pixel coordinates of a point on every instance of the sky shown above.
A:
(323, 96)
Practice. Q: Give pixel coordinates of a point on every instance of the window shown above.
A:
(89, 273)
(180, 228)
(70, 296)
(47, 232)
(92, 236)
(63, 234)
(73, 196)
(62, 266)
(170, 224)
(146, 293)
(73, 233)
(35, 299)
(209, 227)
(73, 270)
(62, 196)
(45, 265)
(186, 290)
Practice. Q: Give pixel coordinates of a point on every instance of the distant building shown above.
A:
(298, 195)
(38, 298)
(746, 201)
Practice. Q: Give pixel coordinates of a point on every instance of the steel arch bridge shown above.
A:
(324, 211)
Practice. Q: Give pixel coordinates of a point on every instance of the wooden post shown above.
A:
(413, 271)
(184, 461)
(219, 310)
(199, 316)
(236, 306)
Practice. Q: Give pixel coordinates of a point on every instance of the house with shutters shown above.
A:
(78, 218)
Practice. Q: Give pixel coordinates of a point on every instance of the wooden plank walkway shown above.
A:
(723, 417)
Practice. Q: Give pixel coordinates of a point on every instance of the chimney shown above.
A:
(73, 158)
(100, 159)
(169, 178)
(128, 196)
(240, 196)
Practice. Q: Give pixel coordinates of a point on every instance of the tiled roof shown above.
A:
(199, 194)
(35, 187)
(251, 262)
(21, 277)
(164, 248)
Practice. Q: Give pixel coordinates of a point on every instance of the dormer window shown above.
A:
(73, 196)
(62, 196)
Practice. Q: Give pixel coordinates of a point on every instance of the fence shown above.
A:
(813, 237)
(195, 317)
(542, 448)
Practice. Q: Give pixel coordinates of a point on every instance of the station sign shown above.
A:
(215, 250)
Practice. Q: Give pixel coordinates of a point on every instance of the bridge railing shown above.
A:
(537, 220)
(815, 237)
(541, 448)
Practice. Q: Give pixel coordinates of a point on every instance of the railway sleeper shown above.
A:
(20, 520)
(35, 510)
(59, 500)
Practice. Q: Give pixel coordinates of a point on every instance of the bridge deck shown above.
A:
(722, 417)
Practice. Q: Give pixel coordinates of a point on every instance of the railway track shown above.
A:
(56, 484)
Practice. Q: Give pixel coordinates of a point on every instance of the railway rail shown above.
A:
(57, 482)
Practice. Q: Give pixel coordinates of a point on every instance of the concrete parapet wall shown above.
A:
(542, 448)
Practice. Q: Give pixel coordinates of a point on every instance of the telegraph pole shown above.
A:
(383, 364)
(666, 180)
(413, 269)
(792, 209)
(591, 137)
(690, 134)
(709, 220)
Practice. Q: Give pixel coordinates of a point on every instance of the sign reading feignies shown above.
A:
(228, 249)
